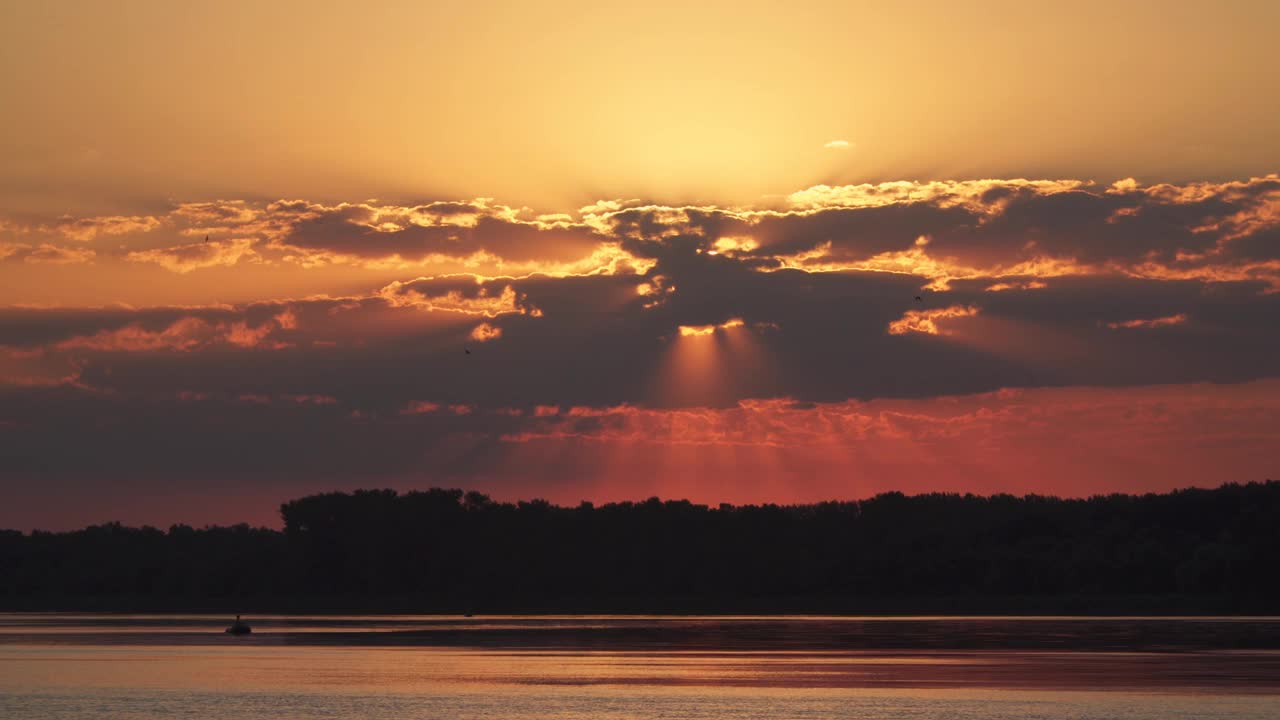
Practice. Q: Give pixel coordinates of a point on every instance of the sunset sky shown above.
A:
(683, 243)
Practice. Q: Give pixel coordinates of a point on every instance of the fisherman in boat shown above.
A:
(239, 627)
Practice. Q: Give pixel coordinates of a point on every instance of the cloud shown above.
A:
(418, 407)
(727, 333)
(218, 213)
(926, 321)
(1016, 285)
(1132, 439)
(837, 145)
(994, 228)
(484, 332)
(89, 228)
(697, 330)
(1151, 323)
(944, 193)
(984, 419)
(194, 256)
(472, 231)
(8, 249)
(459, 293)
(450, 237)
(183, 335)
(45, 254)
(54, 255)
(742, 330)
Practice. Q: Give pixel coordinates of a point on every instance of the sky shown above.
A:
(730, 252)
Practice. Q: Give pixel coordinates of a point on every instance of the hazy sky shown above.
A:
(684, 243)
(116, 106)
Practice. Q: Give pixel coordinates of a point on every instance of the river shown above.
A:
(605, 667)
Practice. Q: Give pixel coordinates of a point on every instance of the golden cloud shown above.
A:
(86, 229)
(1178, 319)
(484, 332)
(696, 330)
(194, 256)
(483, 302)
(54, 255)
(926, 321)
(943, 192)
(1015, 285)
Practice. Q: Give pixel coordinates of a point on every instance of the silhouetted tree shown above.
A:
(444, 549)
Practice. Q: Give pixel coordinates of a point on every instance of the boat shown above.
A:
(239, 627)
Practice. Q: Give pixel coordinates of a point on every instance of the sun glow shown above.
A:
(699, 330)
(731, 245)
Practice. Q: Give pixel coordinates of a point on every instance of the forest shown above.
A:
(445, 550)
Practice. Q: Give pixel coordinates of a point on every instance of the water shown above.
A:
(566, 668)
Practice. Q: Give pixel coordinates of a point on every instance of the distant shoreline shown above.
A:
(1188, 552)
(1047, 606)
(657, 633)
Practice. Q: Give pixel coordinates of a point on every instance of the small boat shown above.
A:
(239, 627)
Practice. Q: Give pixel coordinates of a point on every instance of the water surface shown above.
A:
(569, 667)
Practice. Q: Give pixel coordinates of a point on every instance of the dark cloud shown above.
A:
(371, 232)
(595, 341)
(1218, 231)
(856, 234)
(1020, 286)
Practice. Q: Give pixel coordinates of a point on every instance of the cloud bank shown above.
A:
(782, 341)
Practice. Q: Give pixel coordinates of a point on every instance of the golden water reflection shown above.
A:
(57, 666)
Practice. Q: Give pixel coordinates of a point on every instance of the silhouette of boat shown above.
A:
(239, 627)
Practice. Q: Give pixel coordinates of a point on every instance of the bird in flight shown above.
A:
(466, 350)
(919, 299)
(206, 238)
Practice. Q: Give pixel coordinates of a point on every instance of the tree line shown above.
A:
(445, 550)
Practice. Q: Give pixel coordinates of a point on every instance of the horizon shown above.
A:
(710, 506)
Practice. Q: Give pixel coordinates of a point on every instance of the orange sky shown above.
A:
(120, 107)
(729, 251)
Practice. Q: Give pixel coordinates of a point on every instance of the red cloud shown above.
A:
(183, 335)
(1152, 323)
